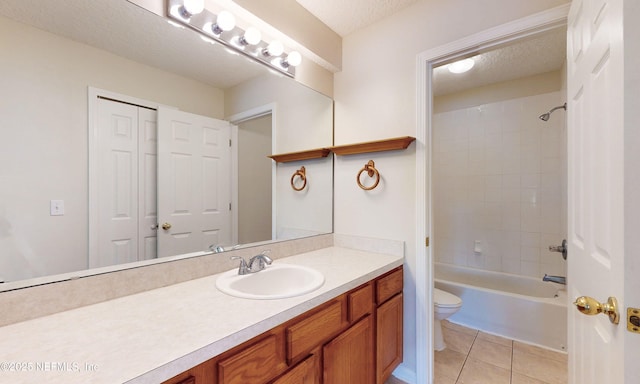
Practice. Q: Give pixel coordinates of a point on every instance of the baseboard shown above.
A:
(405, 374)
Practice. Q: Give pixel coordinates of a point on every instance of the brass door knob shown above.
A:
(166, 226)
(591, 306)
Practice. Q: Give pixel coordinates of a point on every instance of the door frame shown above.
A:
(235, 120)
(527, 26)
(92, 139)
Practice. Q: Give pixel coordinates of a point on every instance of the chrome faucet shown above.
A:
(259, 262)
(219, 248)
(555, 279)
(256, 263)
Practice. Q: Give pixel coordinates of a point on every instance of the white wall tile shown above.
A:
(498, 178)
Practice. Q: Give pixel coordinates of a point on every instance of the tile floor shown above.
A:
(475, 357)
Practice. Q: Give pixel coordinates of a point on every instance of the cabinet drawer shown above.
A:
(360, 302)
(312, 331)
(188, 380)
(258, 363)
(200, 374)
(388, 286)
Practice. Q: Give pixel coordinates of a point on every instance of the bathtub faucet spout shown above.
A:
(555, 279)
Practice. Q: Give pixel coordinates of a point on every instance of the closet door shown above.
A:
(126, 184)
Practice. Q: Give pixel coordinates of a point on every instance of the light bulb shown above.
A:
(274, 48)
(193, 7)
(251, 36)
(225, 21)
(293, 59)
(461, 66)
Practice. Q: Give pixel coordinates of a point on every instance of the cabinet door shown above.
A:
(349, 358)
(388, 338)
(307, 372)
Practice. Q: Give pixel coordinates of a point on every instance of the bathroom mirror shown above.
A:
(54, 51)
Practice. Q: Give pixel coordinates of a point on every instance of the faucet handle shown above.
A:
(262, 259)
(265, 256)
(243, 268)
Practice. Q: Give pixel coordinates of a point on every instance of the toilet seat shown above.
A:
(444, 299)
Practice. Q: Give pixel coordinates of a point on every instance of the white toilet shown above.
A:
(445, 305)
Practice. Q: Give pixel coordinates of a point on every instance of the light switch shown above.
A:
(57, 207)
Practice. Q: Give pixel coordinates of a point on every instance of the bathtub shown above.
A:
(520, 308)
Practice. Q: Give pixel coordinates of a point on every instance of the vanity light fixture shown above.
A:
(275, 48)
(294, 58)
(461, 66)
(191, 7)
(224, 22)
(251, 37)
(222, 28)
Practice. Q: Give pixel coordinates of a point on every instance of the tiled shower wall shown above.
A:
(499, 184)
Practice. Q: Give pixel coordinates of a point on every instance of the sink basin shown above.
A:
(276, 281)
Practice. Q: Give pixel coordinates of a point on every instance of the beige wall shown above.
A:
(43, 151)
(375, 96)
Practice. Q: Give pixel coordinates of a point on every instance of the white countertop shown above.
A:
(152, 336)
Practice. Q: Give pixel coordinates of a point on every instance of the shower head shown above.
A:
(546, 116)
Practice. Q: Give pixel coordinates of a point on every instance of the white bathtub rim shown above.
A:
(462, 324)
(560, 300)
(560, 291)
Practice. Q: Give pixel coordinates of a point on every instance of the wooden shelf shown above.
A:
(302, 155)
(373, 146)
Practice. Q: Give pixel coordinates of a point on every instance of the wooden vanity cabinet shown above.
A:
(355, 338)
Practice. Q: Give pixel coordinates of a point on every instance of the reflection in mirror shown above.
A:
(61, 54)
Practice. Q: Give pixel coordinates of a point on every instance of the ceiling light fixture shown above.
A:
(222, 28)
(461, 66)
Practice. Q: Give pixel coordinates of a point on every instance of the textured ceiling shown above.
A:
(346, 16)
(127, 30)
(522, 58)
(518, 59)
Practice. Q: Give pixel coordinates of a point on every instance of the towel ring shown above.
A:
(371, 170)
(303, 175)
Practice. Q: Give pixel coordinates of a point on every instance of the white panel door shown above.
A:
(117, 184)
(596, 181)
(148, 183)
(194, 182)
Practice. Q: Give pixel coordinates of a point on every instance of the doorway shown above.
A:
(544, 21)
(254, 179)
